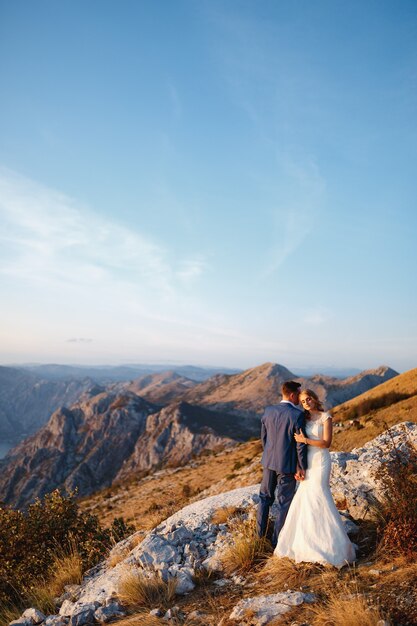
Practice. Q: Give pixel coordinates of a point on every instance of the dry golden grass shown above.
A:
(225, 514)
(395, 590)
(374, 424)
(67, 569)
(281, 574)
(137, 591)
(247, 550)
(346, 610)
(115, 559)
(8, 613)
(140, 619)
(42, 598)
(216, 606)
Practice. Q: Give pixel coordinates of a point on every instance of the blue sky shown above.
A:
(207, 182)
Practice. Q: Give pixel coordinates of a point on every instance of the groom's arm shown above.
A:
(301, 447)
(263, 432)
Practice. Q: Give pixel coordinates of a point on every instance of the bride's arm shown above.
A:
(318, 443)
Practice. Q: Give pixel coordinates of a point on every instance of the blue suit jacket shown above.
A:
(281, 452)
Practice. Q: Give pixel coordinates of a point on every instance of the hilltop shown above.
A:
(364, 417)
(248, 392)
(120, 431)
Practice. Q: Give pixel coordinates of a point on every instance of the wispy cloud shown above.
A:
(79, 340)
(298, 209)
(92, 282)
(49, 237)
(189, 271)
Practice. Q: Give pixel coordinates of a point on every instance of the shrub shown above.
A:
(31, 541)
(187, 491)
(397, 510)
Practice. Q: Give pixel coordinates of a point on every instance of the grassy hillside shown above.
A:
(146, 500)
(366, 416)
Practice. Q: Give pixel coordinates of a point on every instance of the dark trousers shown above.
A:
(286, 484)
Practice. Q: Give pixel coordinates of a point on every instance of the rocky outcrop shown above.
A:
(177, 433)
(109, 437)
(83, 447)
(190, 541)
(354, 478)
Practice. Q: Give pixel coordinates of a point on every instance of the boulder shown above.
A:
(109, 612)
(84, 616)
(34, 615)
(354, 477)
(264, 609)
(56, 620)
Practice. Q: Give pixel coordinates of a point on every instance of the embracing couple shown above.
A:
(296, 449)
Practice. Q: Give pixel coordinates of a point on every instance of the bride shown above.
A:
(313, 530)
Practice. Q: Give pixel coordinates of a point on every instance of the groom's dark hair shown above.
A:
(290, 386)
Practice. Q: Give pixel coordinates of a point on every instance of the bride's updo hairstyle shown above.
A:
(309, 393)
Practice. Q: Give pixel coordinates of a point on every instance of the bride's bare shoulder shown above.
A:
(325, 416)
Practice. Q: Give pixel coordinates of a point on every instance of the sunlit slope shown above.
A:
(144, 500)
(369, 414)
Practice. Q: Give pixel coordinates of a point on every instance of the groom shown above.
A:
(284, 461)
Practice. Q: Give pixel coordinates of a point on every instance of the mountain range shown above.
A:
(111, 433)
(27, 400)
(106, 374)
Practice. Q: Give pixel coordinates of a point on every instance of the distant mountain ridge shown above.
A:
(113, 432)
(161, 388)
(29, 395)
(106, 374)
(26, 400)
(249, 392)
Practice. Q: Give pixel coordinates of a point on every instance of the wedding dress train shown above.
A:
(313, 531)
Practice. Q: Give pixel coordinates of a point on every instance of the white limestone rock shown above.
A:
(264, 609)
(34, 615)
(109, 612)
(84, 614)
(354, 477)
(56, 620)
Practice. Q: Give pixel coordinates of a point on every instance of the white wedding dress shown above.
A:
(313, 531)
